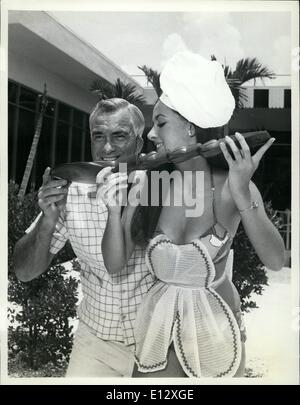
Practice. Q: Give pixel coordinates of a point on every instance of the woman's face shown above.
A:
(170, 130)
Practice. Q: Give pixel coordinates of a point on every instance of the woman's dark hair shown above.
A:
(145, 217)
(204, 134)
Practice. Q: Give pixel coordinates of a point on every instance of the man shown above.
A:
(104, 339)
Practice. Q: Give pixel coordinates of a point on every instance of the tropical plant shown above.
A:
(39, 315)
(245, 70)
(153, 77)
(119, 89)
(34, 145)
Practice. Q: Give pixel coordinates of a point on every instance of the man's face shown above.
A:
(112, 136)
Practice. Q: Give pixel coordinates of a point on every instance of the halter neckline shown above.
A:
(212, 229)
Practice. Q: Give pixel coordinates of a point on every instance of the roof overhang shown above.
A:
(39, 37)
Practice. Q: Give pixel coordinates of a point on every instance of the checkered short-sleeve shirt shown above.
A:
(110, 301)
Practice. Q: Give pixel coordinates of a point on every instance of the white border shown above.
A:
(135, 5)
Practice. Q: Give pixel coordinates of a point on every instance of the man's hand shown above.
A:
(52, 197)
(111, 188)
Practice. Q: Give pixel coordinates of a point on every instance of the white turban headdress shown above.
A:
(196, 88)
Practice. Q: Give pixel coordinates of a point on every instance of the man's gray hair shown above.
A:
(113, 105)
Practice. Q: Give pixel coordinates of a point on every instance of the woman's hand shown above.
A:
(242, 167)
(110, 189)
(263, 235)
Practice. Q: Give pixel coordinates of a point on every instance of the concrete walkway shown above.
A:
(270, 333)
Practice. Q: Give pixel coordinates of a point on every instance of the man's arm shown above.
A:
(32, 254)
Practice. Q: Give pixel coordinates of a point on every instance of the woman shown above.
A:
(189, 323)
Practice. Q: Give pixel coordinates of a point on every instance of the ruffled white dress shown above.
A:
(183, 308)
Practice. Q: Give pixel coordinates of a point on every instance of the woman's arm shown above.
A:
(261, 232)
(110, 187)
(117, 245)
(113, 244)
(263, 235)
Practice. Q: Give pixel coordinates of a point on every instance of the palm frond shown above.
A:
(250, 68)
(227, 72)
(237, 91)
(102, 88)
(128, 92)
(153, 77)
(119, 89)
(246, 69)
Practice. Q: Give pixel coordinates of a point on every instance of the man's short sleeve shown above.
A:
(59, 238)
(60, 235)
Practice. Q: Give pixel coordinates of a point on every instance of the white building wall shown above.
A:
(28, 73)
(150, 95)
(276, 97)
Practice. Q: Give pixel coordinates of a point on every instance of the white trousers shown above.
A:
(94, 357)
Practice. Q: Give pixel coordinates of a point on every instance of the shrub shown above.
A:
(40, 309)
(249, 275)
(41, 331)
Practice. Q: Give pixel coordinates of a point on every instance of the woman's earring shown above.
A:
(190, 133)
